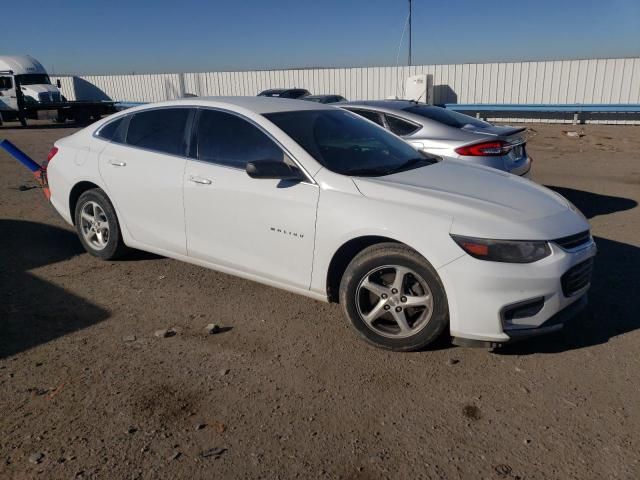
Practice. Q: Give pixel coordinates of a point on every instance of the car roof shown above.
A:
(258, 105)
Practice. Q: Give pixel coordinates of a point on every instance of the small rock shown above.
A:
(213, 452)
(224, 372)
(452, 361)
(132, 430)
(165, 333)
(162, 277)
(175, 456)
(129, 338)
(212, 328)
(527, 441)
(36, 458)
(220, 427)
(503, 469)
(200, 426)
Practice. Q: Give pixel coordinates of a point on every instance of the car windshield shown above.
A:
(345, 143)
(448, 117)
(34, 79)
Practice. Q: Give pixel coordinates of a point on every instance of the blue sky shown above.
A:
(141, 36)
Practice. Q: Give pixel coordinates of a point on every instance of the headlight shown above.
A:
(509, 251)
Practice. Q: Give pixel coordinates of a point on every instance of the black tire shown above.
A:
(392, 254)
(115, 246)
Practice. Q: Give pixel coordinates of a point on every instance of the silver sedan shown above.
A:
(446, 133)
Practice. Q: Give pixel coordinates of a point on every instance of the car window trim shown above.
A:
(285, 150)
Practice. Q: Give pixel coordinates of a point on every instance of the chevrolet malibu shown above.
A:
(318, 201)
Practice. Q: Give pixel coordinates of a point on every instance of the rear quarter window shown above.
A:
(401, 127)
(108, 131)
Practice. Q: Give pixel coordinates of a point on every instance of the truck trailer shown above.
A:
(26, 90)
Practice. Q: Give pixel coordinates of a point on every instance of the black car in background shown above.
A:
(285, 93)
(325, 98)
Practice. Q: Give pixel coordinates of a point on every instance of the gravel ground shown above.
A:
(286, 389)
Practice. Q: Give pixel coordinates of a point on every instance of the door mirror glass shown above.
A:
(274, 169)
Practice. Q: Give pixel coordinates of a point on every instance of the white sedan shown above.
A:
(318, 201)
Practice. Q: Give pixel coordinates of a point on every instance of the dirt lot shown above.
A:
(287, 389)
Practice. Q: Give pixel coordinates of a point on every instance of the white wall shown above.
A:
(565, 81)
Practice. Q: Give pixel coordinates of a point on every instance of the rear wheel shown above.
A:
(394, 298)
(97, 225)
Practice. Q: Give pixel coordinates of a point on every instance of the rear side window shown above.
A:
(369, 115)
(227, 139)
(162, 130)
(401, 127)
(108, 132)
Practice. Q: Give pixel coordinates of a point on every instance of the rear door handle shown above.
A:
(200, 180)
(116, 163)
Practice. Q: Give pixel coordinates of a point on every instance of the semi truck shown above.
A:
(26, 90)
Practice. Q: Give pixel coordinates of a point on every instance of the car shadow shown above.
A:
(612, 308)
(34, 311)
(594, 204)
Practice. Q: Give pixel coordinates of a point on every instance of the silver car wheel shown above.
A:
(394, 301)
(94, 225)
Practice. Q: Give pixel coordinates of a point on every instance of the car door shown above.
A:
(143, 169)
(8, 99)
(262, 227)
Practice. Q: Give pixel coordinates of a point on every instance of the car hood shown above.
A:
(481, 201)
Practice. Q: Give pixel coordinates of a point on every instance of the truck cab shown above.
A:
(29, 75)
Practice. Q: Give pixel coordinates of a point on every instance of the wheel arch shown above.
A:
(343, 256)
(77, 190)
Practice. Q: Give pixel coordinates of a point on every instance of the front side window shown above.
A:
(160, 129)
(229, 140)
(369, 115)
(6, 83)
(344, 143)
(401, 127)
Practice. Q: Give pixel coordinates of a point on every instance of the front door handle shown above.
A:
(116, 163)
(200, 180)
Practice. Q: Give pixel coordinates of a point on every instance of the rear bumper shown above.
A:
(520, 167)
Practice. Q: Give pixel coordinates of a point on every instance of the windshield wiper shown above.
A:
(382, 171)
(411, 164)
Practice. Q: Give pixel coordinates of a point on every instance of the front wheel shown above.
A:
(394, 298)
(97, 225)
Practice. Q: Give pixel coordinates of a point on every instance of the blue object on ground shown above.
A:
(22, 157)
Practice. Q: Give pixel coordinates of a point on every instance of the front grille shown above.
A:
(44, 97)
(577, 277)
(573, 241)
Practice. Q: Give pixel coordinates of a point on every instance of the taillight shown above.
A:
(52, 153)
(485, 149)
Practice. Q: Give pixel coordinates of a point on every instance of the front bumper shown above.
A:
(479, 292)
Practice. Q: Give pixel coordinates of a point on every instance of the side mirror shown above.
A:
(58, 84)
(274, 169)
